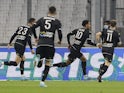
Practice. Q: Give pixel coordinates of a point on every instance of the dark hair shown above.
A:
(113, 23)
(85, 22)
(107, 22)
(30, 20)
(52, 10)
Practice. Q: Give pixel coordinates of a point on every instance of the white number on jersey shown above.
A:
(109, 37)
(22, 31)
(47, 24)
(79, 34)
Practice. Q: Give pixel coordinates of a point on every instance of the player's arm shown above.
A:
(98, 36)
(59, 31)
(88, 40)
(69, 35)
(30, 43)
(34, 27)
(119, 39)
(60, 36)
(13, 36)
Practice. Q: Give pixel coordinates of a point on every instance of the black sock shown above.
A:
(11, 63)
(39, 64)
(45, 72)
(22, 67)
(83, 67)
(103, 69)
(62, 64)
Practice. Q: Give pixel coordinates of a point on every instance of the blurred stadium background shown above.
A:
(14, 13)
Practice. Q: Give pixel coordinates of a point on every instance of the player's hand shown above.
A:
(36, 41)
(99, 45)
(32, 51)
(119, 43)
(69, 46)
(9, 45)
(59, 42)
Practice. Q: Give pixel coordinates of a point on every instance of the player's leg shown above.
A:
(103, 69)
(19, 54)
(83, 64)
(71, 58)
(40, 62)
(108, 55)
(22, 66)
(22, 69)
(13, 63)
(49, 54)
(45, 72)
(62, 64)
(39, 57)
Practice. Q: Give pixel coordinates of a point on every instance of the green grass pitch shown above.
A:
(62, 87)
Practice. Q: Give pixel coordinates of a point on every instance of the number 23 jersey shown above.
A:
(23, 34)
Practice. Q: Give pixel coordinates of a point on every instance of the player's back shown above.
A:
(81, 35)
(110, 37)
(48, 26)
(22, 34)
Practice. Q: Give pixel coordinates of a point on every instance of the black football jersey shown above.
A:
(110, 37)
(81, 36)
(23, 35)
(48, 26)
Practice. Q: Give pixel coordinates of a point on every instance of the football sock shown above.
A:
(83, 67)
(39, 64)
(11, 63)
(22, 67)
(45, 72)
(103, 69)
(62, 64)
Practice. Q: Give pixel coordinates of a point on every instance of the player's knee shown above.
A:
(68, 62)
(48, 62)
(83, 59)
(107, 63)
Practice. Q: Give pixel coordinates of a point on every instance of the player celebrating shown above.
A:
(45, 48)
(23, 35)
(106, 25)
(110, 39)
(81, 36)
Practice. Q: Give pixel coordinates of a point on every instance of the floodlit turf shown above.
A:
(62, 87)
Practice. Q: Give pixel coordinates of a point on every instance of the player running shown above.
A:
(23, 35)
(110, 39)
(45, 47)
(81, 35)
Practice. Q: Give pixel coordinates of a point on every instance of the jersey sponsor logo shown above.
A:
(20, 37)
(77, 42)
(46, 34)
